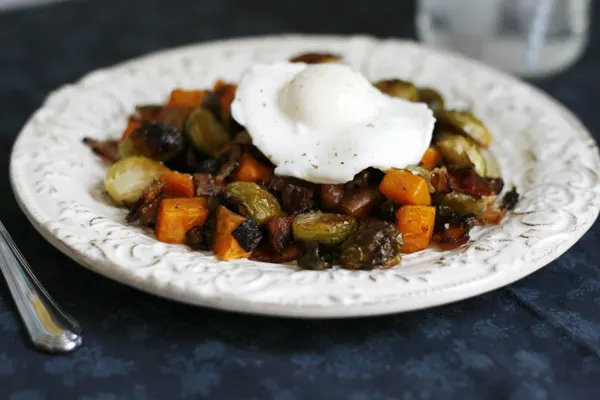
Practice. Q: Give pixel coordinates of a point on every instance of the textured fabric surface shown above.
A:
(537, 339)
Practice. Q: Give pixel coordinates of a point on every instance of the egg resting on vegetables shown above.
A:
(324, 123)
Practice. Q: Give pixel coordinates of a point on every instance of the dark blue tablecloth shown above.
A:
(537, 339)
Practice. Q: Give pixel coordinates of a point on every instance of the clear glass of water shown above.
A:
(531, 38)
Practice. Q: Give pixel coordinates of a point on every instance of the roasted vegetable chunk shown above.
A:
(316, 58)
(127, 178)
(374, 244)
(317, 257)
(205, 133)
(225, 245)
(432, 98)
(177, 216)
(327, 228)
(398, 88)
(461, 151)
(405, 187)
(158, 141)
(468, 125)
(253, 201)
(416, 225)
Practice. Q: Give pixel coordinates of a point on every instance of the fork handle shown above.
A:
(50, 328)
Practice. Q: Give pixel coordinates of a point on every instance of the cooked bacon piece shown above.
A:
(207, 184)
(296, 199)
(466, 180)
(331, 195)
(146, 207)
(280, 232)
(440, 181)
(359, 203)
(266, 253)
(107, 149)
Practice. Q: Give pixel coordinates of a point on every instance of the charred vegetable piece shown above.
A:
(432, 158)
(177, 216)
(444, 215)
(296, 199)
(330, 229)
(225, 246)
(467, 124)
(207, 185)
(461, 151)
(465, 204)
(127, 178)
(251, 170)
(253, 201)
(387, 210)
(146, 208)
(510, 199)
(432, 98)
(266, 253)
(398, 88)
(316, 58)
(316, 257)
(157, 141)
(177, 184)
(359, 203)
(331, 195)
(416, 225)
(374, 244)
(248, 235)
(107, 149)
(205, 133)
(280, 232)
(405, 187)
(365, 178)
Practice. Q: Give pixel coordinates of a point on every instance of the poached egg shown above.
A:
(324, 123)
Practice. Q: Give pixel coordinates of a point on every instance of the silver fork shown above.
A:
(50, 328)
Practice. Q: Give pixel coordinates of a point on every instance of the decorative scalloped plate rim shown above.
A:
(55, 180)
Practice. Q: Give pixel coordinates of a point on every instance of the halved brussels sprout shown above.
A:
(375, 244)
(327, 228)
(316, 58)
(432, 98)
(398, 88)
(467, 124)
(157, 141)
(461, 151)
(205, 133)
(127, 178)
(253, 201)
(464, 203)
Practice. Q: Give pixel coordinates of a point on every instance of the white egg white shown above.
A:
(326, 123)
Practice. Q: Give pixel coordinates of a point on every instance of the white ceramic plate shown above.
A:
(540, 146)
